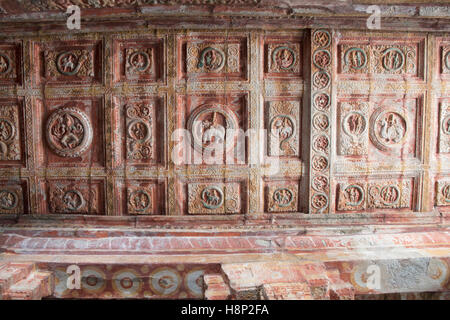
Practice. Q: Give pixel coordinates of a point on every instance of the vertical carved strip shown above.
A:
(171, 101)
(321, 76)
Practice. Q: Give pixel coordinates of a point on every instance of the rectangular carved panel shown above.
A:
(10, 63)
(363, 56)
(444, 127)
(375, 194)
(282, 123)
(210, 59)
(73, 196)
(283, 57)
(281, 196)
(71, 132)
(140, 131)
(11, 133)
(139, 60)
(69, 62)
(214, 198)
(443, 193)
(13, 197)
(140, 197)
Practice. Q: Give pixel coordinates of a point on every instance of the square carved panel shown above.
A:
(444, 127)
(10, 63)
(374, 194)
(214, 127)
(12, 136)
(69, 62)
(140, 197)
(71, 132)
(442, 192)
(139, 133)
(281, 196)
(139, 60)
(213, 58)
(371, 130)
(359, 57)
(283, 127)
(72, 196)
(283, 57)
(13, 197)
(214, 198)
(443, 59)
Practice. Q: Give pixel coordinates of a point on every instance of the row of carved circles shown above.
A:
(321, 101)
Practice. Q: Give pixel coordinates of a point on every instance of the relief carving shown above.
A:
(284, 58)
(138, 62)
(139, 131)
(71, 198)
(79, 63)
(443, 193)
(11, 199)
(140, 200)
(351, 197)
(69, 132)
(353, 129)
(445, 63)
(7, 64)
(283, 125)
(388, 128)
(10, 147)
(282, 198)
(213, 57)
(217, 198)
(444, 128)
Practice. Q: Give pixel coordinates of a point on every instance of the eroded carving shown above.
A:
(353, 129)
(282, 198)
(79, 63)
(139, 131)
(283, 125)
(10, 147)
(214, 198)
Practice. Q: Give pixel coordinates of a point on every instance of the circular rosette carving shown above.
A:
(388, 128)
(139, 61)
(355, 58)
(320, 121)
(127, 282)
(193, 281)
(319, 201)
(322, 59)
(319, 163)
(73, 200)
(69, 132)
(165, 281)
(211, 125)
(320, 183)
(393, 59)
(211, 59)
(5, 63)
(212, 197)
(139, 130)
(284, 58)
(321, 144)
(321, 79)
(322, 101)
(321, 38)
(8, 200)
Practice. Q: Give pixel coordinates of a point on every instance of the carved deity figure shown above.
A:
(283, 197)
(283, 128)
(7, 200)
(212, 131)
(68, 63)
(3, 64)
(391, 129)
(284, 58)
(68, 131)
(392, 60)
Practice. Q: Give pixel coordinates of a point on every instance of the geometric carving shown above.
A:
(11, 199)
(69, 132)
(353, 128)
(74, 197)
(214, 198)
(139, 131)
(283, 124)
(10, 146)
(444, 128)
(321, 38)
(282, 197)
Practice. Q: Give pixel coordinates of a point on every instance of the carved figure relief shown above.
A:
(214, 198)
(205, 57)
(5, 64)
(209, 125)
(444, 128)
(353, 131)
(140, 200)
(378, 59)
(10, 146)
(11, 199)
(445, 59)
(379, 195)
(8, 63)
(283, 125)
(284, 58)
(73, 198)
(388, 128)
(282, 197)
(69, 132)
(79, 63)
(138, 61)
(139, 131)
